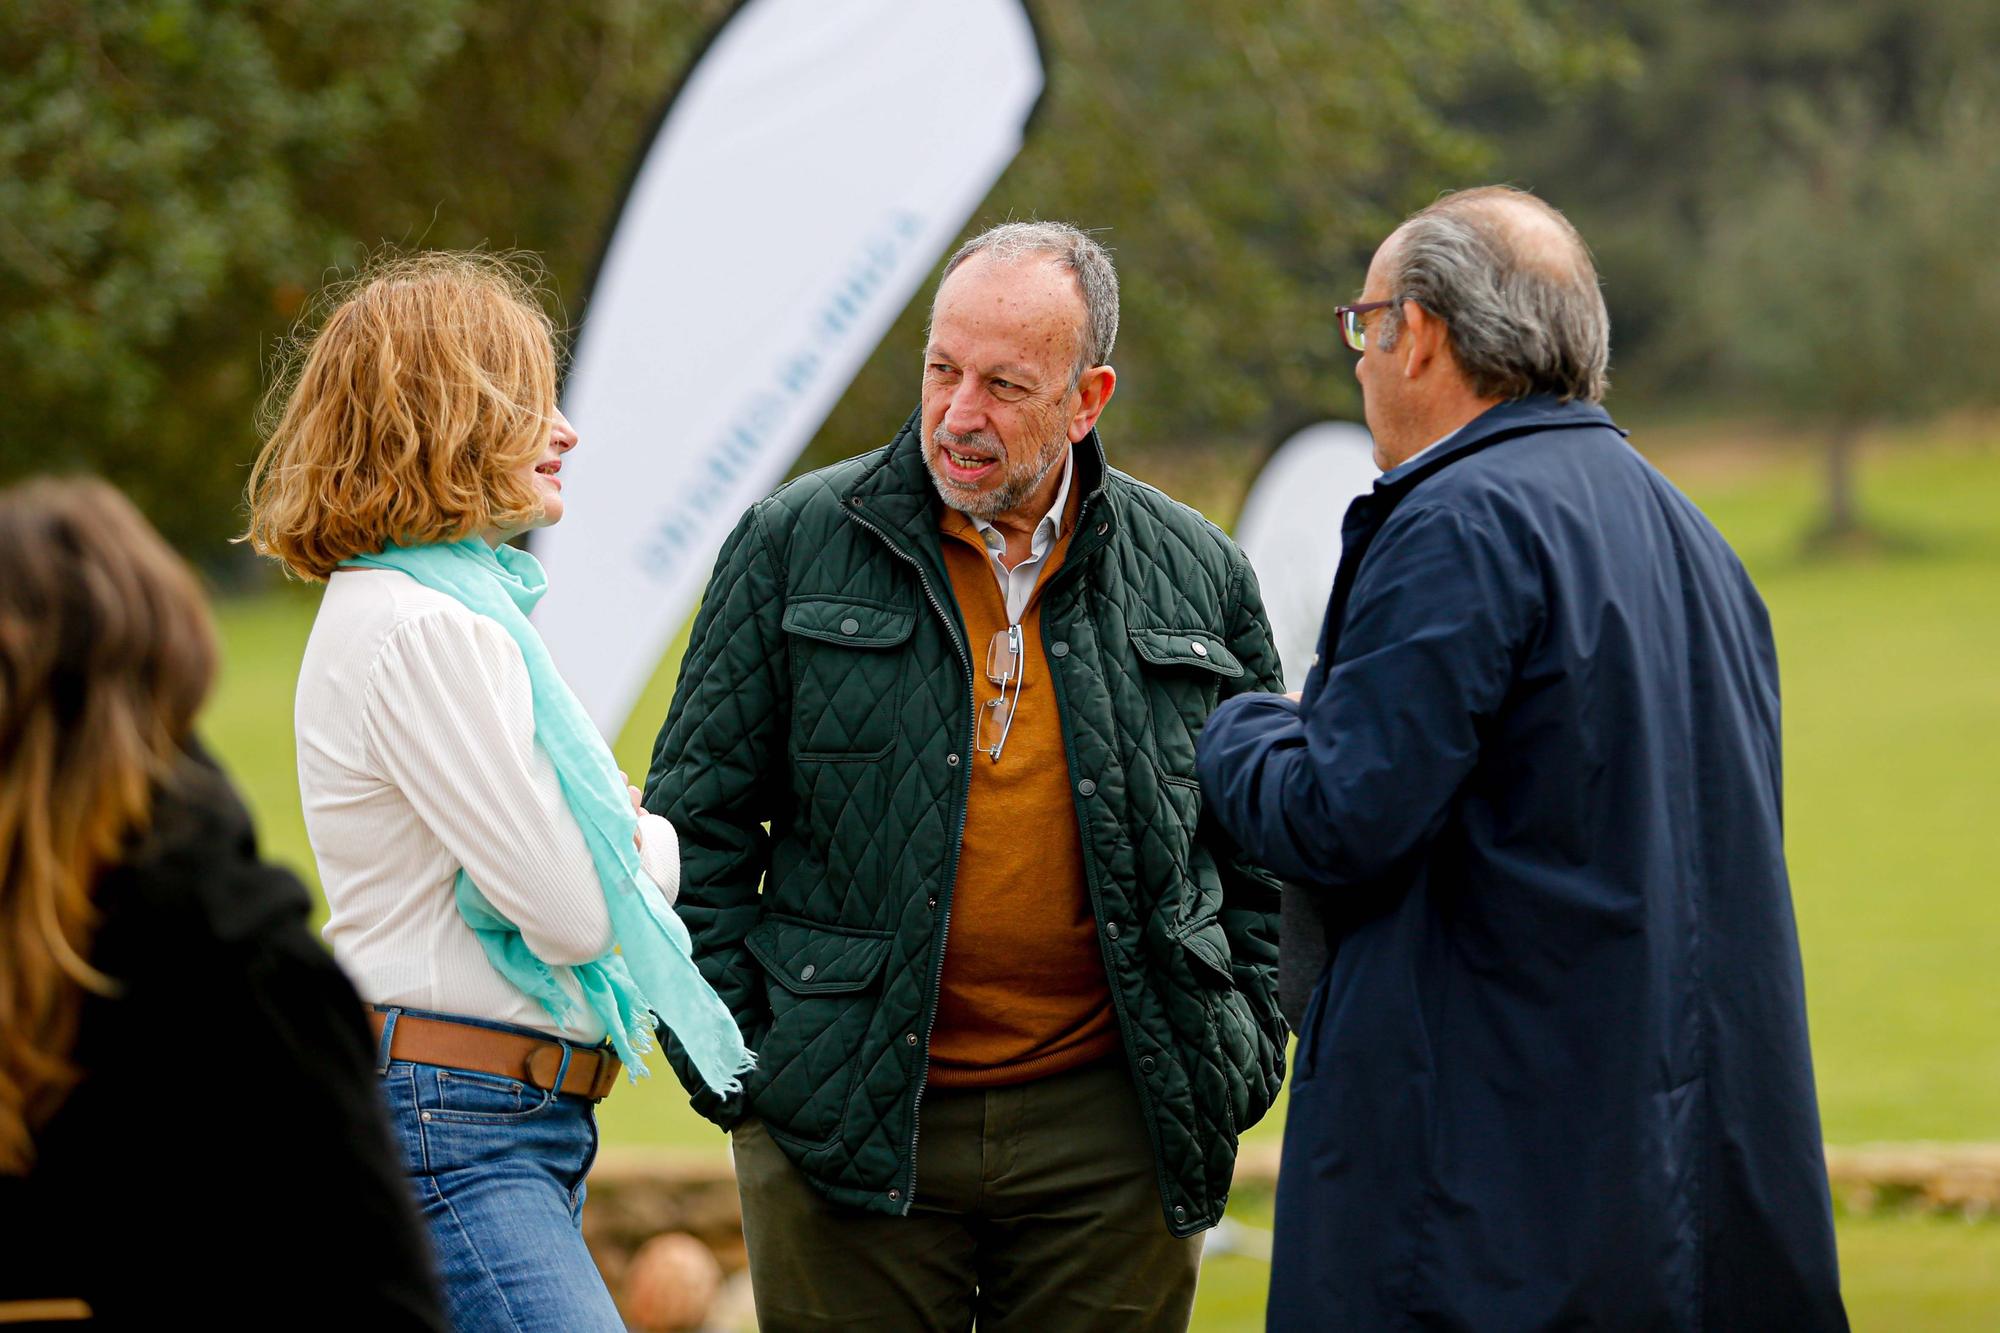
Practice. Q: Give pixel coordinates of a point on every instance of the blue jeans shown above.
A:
(498, 1168)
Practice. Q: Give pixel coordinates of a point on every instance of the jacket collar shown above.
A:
(1365, 517)
(1519, 416)
(895, 496)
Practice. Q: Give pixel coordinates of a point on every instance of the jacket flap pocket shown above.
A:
(1186, 648)
(817, 960)
(851, 624)
(1208, 948)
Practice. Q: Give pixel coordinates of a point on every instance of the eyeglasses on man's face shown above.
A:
(1352, 331)
(1006, 664)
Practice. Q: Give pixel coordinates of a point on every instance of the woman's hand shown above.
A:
(638, 807)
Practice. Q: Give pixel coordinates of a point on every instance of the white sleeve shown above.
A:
(660, 855)
(450, 719)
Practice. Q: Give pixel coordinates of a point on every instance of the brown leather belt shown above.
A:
(593, 1070)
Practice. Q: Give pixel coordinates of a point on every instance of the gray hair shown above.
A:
(1515, 288)
(1074, 251)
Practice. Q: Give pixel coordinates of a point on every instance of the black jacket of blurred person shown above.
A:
(223, 1163)
(190, 1131)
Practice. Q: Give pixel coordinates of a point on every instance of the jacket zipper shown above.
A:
(957, 844)
(1090, 880)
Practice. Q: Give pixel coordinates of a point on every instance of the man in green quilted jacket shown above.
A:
(931, 759)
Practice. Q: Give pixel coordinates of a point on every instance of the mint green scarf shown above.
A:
(649, 971)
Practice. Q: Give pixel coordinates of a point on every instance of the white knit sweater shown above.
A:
(417, 755)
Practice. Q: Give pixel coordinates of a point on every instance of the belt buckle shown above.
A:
(544, 1064)
(607, 1074)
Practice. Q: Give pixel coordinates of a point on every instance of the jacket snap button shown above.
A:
(806, 972)
(1180, 1213)
(951, 760)
(1060, 648)
(1200, 649)
(1103, 528)
(1112, 930)
(895, 1194)
(427, 1116)
(1146, 1064)
(850, 626)
(1086, 788)
(910, 1038)
(931, 903)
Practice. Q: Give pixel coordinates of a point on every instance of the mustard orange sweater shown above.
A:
(1023, 993)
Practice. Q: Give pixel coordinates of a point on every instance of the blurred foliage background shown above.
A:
(1791, 205)
(177, 177)
(1789, 200)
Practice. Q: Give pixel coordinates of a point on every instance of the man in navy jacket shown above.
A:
(1556, 1072)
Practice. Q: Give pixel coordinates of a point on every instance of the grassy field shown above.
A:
(1892, 722)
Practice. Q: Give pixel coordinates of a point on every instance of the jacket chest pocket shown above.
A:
(1183, 671)
(846, 676)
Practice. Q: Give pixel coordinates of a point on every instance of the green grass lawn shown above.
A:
(1900, 1274)
(1892, 728)
(1892, 722)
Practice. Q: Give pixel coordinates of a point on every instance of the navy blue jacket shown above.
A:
(1556, 1073)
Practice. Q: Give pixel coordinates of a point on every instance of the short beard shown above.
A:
(1011, 493)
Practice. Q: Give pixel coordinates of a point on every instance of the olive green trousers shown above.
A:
(1037, 1210)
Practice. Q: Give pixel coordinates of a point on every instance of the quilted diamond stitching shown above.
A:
(841, 750)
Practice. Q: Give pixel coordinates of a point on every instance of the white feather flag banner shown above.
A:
(808, 176)
(1290, 529)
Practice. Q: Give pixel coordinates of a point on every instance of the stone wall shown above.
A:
(637, 1195)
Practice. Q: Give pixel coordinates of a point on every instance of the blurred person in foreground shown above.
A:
(1011, 1003)
(189, 1130)
(1556, 1074)
(489, 883)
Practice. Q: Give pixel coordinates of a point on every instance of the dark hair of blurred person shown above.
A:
(103, 663)
(169, 1031)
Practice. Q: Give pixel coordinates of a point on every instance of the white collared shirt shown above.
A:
(1018, 584)
(1442, 439)
(417, 757)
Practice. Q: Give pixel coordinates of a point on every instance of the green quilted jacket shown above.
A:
(817, 745)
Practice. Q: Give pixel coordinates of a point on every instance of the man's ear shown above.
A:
(1428, 343)
(1093, 391)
